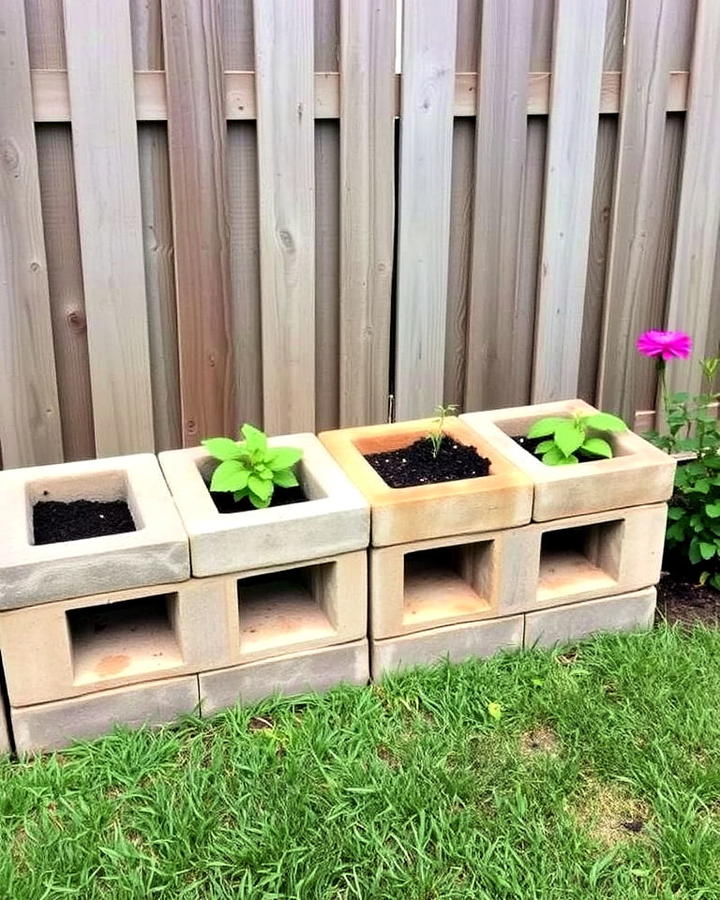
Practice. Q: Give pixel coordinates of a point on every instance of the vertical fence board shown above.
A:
(29, 415)
(367, 207)
(424, 205)
(696, 237)
(100, 77)
(574, 110)
(196, 141)
(285, 127)
(637, 202)
(500, 148)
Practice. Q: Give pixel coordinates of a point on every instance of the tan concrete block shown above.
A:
(425, 584)
(400, 515)
(606, 553)
(53, 726)
(637, 474)
(156, 553)
(74, 647)
(335, 519)
(453, 642)
(297, 673)
(626, 612)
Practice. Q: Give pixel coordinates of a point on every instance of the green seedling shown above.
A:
(437, 433)
(570, 437)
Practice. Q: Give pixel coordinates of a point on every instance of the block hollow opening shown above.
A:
(580, 559)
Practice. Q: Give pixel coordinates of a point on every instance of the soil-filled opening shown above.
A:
(417, 463)
(573, 560)
(284, 608)
(55, 521)
(447, 582)
(132, 637)
(225, 502)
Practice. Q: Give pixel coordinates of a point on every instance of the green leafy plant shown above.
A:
(572, 437)
(437, 433)
(250, 468)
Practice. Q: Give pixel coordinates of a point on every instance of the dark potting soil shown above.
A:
(414, 465)
(681, 597)
(530, 444)
(55, 521)
(224, 502)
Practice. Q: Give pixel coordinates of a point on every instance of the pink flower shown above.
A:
(668, 344)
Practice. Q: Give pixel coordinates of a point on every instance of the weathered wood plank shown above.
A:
(29, 415)
(196, 143)
(424, 206)
(98, 43)
(696, 237)
(286, 159)
(494, 316)
(637, 203)
(367, 207)
(574, 111)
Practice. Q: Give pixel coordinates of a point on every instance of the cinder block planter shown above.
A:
(453, 642)
(637, 474)
(426, 584)
(626, 612)
(53, 726)
(74, 647)
(501, 499)
(296, 673)
(155, 553)
(334, 519)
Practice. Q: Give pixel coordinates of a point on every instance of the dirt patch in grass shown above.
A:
(609, 814)
(681, 599)
(539, 741)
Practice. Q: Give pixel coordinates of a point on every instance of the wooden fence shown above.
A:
(215, 211)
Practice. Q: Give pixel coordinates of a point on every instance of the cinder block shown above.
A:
(53, 726)
(334, 519)
(606, 553)
(626, 612)
(156, 553)
(298, 673)
(74, 647)
(453, 642)
(637, 474)
(501, 499)
(5, 744)
(425, 584)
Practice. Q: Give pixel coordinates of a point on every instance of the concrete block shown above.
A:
(399, 515)
(156, 553)
(453, 642)
(335, 518)
(425, 584)
(625, 612)
(637, 474)
(297, 673)
(74, 647)
(5, 743)
(53, 726)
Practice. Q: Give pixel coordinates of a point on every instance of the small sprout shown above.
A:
(495, 710)
(437, 433)
(250, 468)
(568, 438)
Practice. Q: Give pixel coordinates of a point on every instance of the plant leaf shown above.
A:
(285, 478)
(571, 460)
(223, 448)
(569, 437)
(258, 486)
(707, 551)
(282, 457)
(230, 475)
(713, 510)
(546, 427)
(254, 438)
(555, 457)
(603, 421)
(495, 710)
(258, 502)
(598, 447)
(544, 446)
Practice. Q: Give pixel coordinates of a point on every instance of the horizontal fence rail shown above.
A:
(217, 211)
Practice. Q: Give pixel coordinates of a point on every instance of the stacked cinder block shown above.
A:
(527, 555)
(289, 582)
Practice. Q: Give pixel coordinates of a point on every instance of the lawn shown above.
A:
(598, 777)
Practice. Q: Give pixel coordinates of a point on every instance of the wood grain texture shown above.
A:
(286, 160)
(196, 143)
(696, 238)
(637, 203)
(424, 206)
(98, 43)
(494, 315)
(367, 207)
(574, 105)
(29, 415)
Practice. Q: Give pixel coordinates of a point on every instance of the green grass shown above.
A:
(409, 789)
